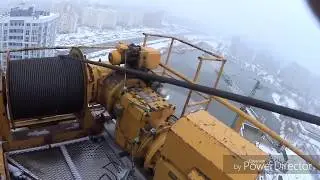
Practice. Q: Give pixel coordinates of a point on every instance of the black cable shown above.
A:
(106, 168)
(105, 174)
(216, 92)
(111, 162)
(115, 176)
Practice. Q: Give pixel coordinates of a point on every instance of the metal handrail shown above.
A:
(185, 42)
(226, 103)
(255, 122)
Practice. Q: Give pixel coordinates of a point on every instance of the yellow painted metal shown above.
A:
(212, 58)
(193, 148)
(143, 109)
(4, 121)
(207, 146)
(166, 171)
(95, 75)
(45, 120)
(149, 58)
(195, 79)
(3, 171)
(121, 47)
(254, 121)
(10, 143)
(216, 82)
(184, 42)
(268, 131)
(180, 75)
(115, 58)
(168, 55)
(239, 123)
(198, 103)
(153, 153)
(109, 89)
(194, 174)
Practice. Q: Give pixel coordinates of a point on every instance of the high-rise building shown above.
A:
(68, 20)
(153, 19)
(99, 18)
(26, 28)
(130, 18)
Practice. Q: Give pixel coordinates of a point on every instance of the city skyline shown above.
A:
(26, 27)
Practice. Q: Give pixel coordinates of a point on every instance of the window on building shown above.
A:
(34, 24)
(16, 30)
(27, 39)
(5, 24)
(28, 24)
(27, 32)
(15, 44)
(34, 38)
(16, 37)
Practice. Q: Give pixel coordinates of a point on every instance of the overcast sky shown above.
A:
(287, 27)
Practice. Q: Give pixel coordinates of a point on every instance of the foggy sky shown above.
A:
(286, 27)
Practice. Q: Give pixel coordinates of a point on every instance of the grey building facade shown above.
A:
(26, 28)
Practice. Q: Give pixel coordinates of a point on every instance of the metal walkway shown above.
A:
(81, 159)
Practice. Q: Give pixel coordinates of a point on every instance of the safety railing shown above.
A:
(212, 57)
(243, 117)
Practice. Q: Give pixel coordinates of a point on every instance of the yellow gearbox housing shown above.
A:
(136, 56)
(198, 146)
(143, 113)
(150, 58)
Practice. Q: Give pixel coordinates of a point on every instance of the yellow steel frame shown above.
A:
(243, 117)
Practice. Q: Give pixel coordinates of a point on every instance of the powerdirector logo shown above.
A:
(292, 164)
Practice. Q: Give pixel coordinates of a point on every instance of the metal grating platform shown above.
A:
(90, 158)
(45, 164)
(85, 160)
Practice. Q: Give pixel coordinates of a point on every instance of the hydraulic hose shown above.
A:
(306, 117)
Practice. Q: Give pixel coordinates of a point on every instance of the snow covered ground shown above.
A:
(92, 36)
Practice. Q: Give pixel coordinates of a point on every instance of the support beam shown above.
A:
(195, 79)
